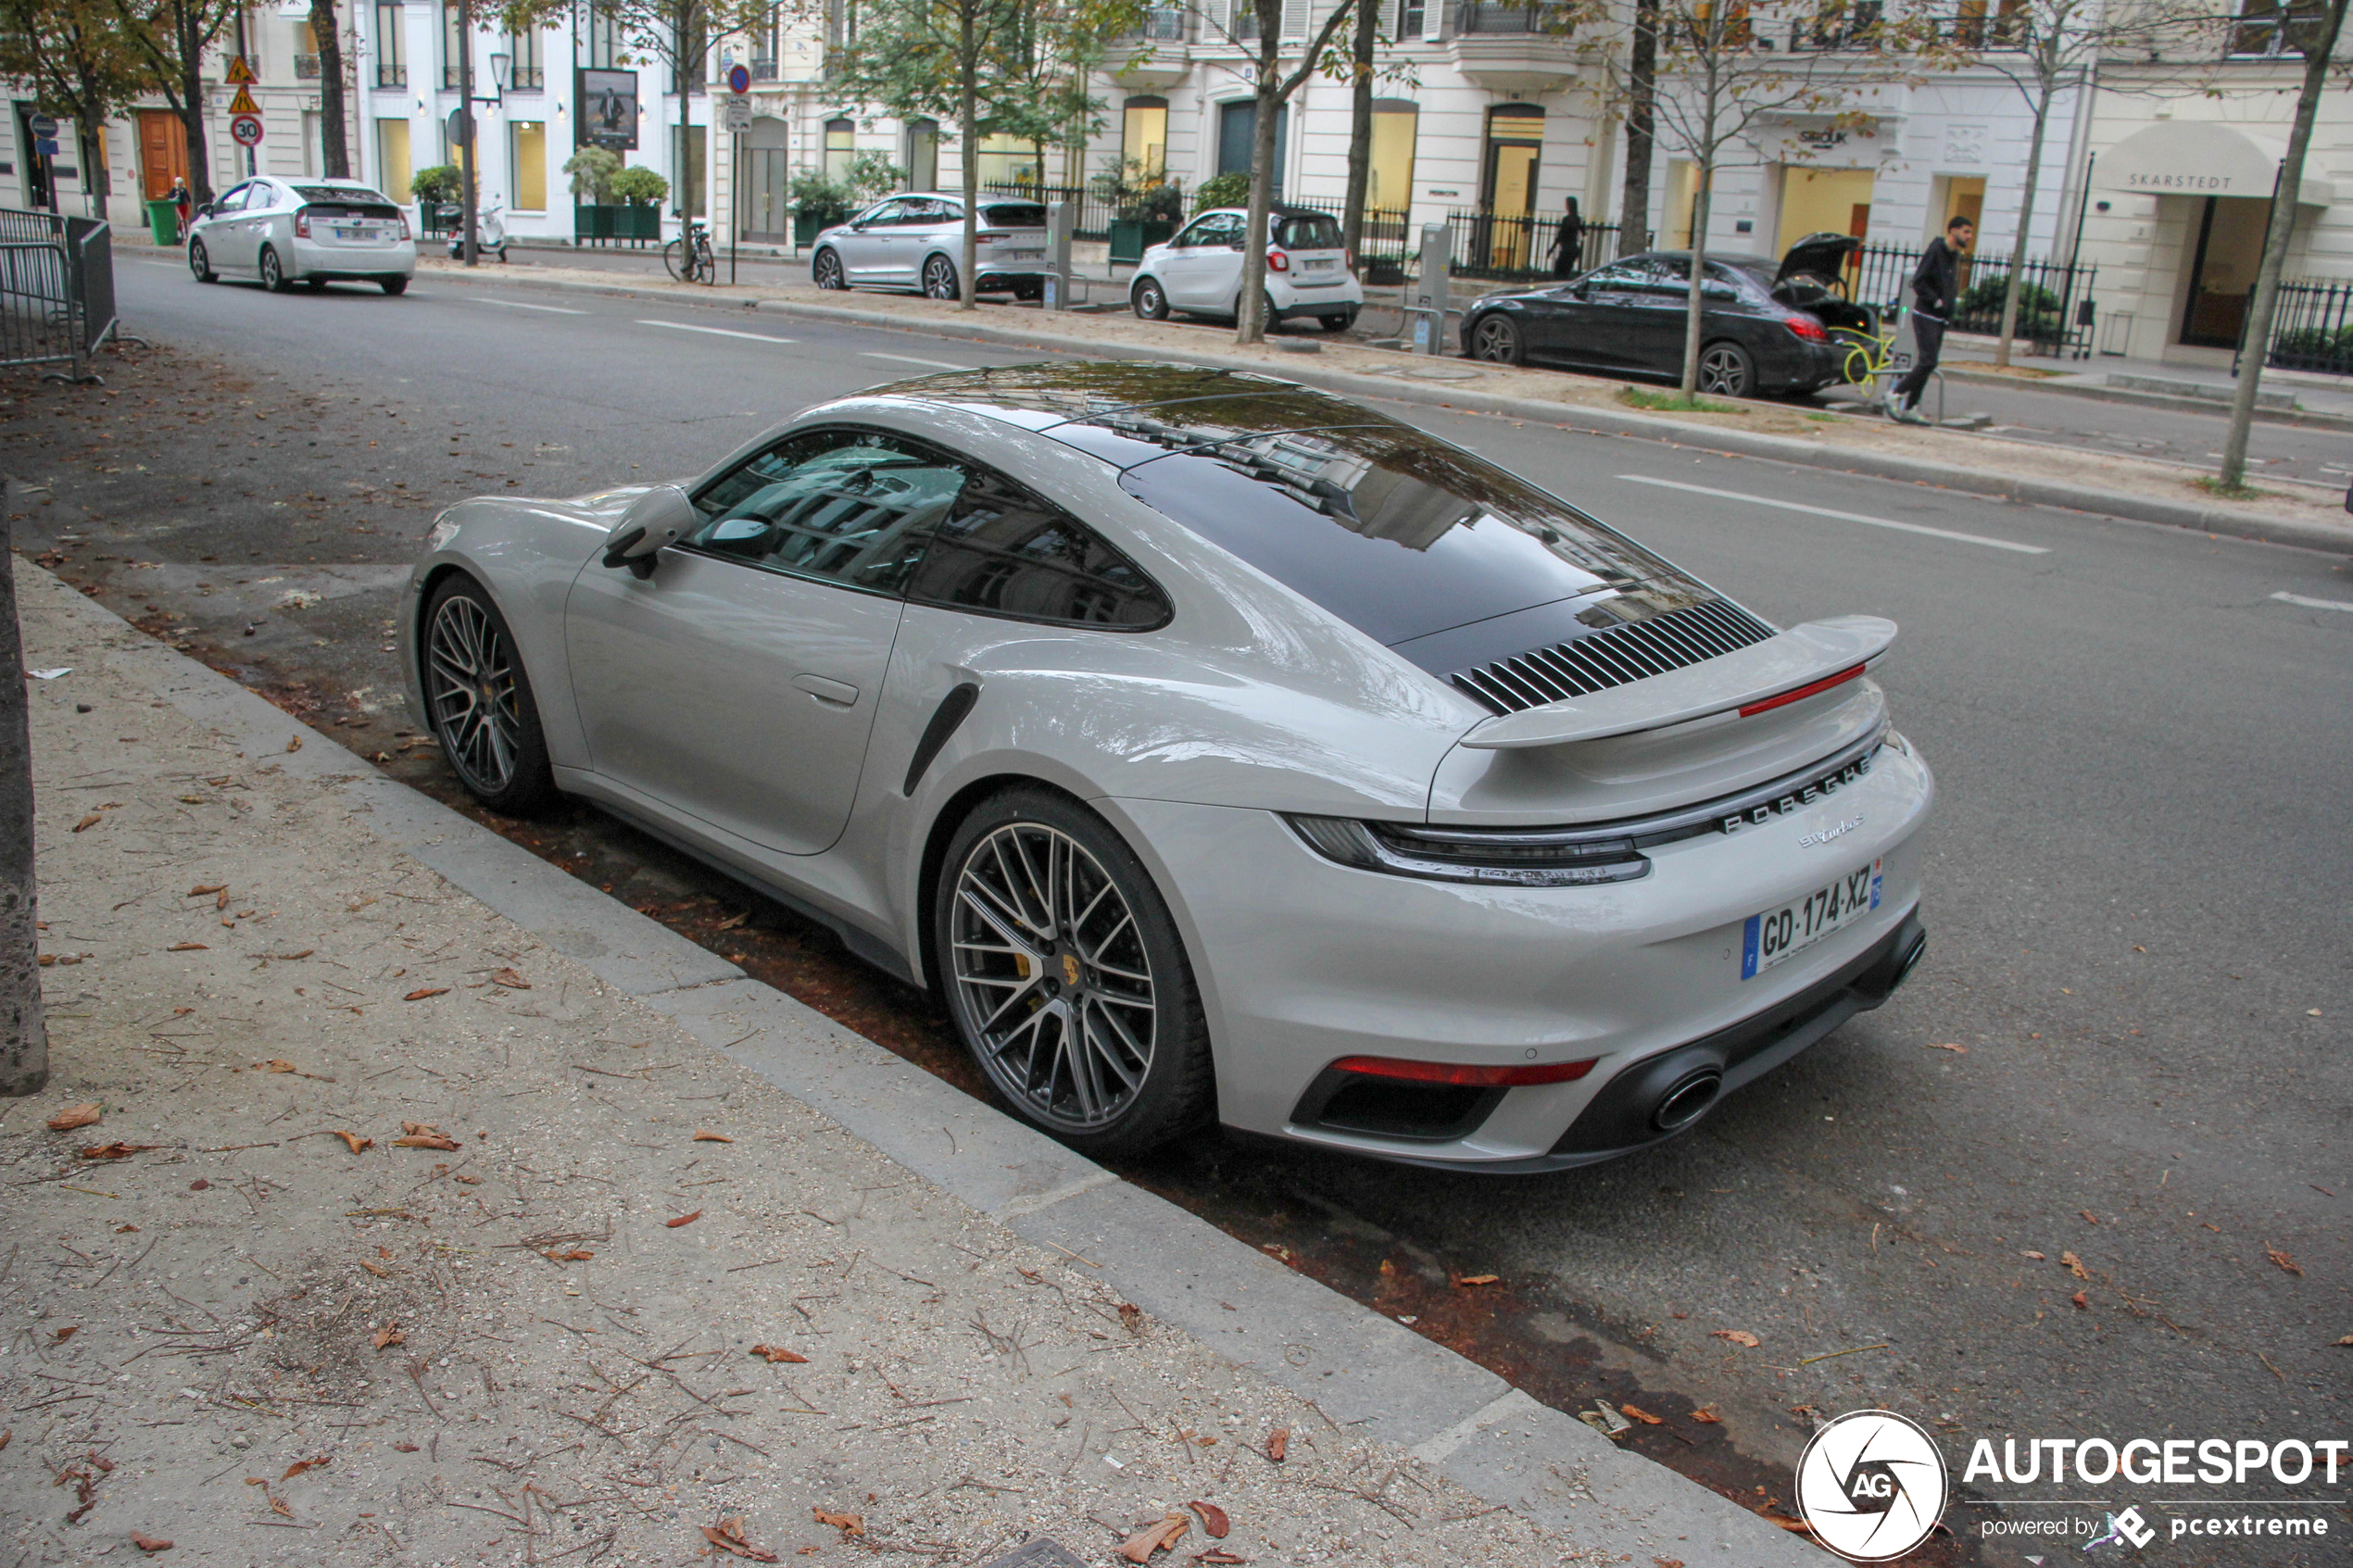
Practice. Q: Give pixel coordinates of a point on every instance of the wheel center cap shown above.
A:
(1070, 969)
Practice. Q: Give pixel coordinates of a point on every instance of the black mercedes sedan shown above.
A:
(1627, 319)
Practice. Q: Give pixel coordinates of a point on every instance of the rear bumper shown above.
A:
(311, 259)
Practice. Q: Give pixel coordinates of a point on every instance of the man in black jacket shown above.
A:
(1935, 286)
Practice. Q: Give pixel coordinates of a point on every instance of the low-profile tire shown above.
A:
(1150, 300)
(478, 700)
(1338, 322)
(274, 271)
(1029, 291)
(393, 286)
(824, 270)
(1026, 986)
(939, 278)
(200, 263)
(1726, 370)
(1498, 341)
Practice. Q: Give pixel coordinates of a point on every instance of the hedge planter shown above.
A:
(626, 221)
(806, 226)
(1130, 237)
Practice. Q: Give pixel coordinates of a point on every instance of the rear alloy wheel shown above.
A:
(200, 264)
(393, 286)
(274, 271)
(478, 700)
(1150, 300)
(1726, 370)
(825, 272)
(939, 279)
(1496, 339)
(1067, 979)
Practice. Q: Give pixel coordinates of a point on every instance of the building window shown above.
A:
(1008, 160)
(1411, 18)
(923, 155)
(601, 39)
(2266, 26)
(453, 46)
(306, 51)
(527, 157)
(842, 141)
(392, 68)
(1389, 186)
(764, 50)
(392, 158)
(1236, 128)
(527, 74)
(1144, 136)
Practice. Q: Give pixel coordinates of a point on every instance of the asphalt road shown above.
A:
(2019, 412)
(2140, 939)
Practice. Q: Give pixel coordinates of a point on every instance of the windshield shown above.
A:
(1013, 215)
(1312, 232)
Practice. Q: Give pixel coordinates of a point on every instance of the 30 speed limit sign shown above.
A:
(245, 129)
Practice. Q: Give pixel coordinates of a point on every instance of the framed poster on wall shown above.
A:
(606, 106)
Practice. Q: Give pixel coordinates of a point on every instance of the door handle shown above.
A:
(837, 694)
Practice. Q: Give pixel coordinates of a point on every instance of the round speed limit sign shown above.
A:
(245, 129)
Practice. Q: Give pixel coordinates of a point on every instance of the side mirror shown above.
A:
(660, 517)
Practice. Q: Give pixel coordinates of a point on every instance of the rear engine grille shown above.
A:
(1672, 641)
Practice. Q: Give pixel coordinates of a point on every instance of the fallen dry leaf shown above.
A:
(1477, 1279)
(1707, 1418)
(1795, 1527)
(65, 1334)
(114, 1150)
(773, 1353)
(186, 947)
(2089, 1218)
(2036, 1256)
(571, 1255)
(1217, 1554)
(201, 889)
(149, 1543)
(1278, 1444)
(510, 980)
(1644, 1416)
(2283, 1260)
(422, 992)
(388, 1335)
(404, 1448)
(304, 1467)
(1957, 1050)
(2074, 1265)
(732, 921)
(728, 1537)
(289, 958)
(704, 1135)
(2347, 1340)
(1212, 1519)
(1737, 1335)
(279, 1064)
(2083, 1301)
(671, 1224)
(1131, 1317)
(221, 900)
(426, 1140)
(92, 821)
(850, 1524)
(376, 1269)
(74, 1116)
(294, 744)
(355, 1140)
(1159, 1536)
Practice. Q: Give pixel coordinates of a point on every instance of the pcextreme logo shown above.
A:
(1872, 1486)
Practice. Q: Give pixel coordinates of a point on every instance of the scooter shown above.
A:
(490, 235)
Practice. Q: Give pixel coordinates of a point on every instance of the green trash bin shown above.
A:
(163, 217)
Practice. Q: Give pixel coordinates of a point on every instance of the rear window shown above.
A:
(1312, 232)
(1013, 215)
(341, 194)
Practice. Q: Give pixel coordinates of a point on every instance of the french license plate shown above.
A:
(1029, 256)
(1318, 266)
(355, 233)
(1792, 928)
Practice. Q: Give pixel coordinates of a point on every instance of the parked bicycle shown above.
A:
(690, 258)
(1872, 355)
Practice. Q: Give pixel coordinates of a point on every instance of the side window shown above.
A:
(234, 201)
(1228, 230)
(1616, 280)
(850, 507)
(1191, 235)
(881, 214)
(1006, 552)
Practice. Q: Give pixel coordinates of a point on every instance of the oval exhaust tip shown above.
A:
(1688, 1100)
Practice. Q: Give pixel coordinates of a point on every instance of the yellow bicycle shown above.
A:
(1870, 355)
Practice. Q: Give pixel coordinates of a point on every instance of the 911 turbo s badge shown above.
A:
(1799, 798)
(1849, 825)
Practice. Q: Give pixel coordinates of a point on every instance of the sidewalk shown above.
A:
(2292, 395)
(2110, 484)
(407, 1139)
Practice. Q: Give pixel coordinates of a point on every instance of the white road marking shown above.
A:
(910, 359)
(2312, 604)
(1842, 516)
(715, 331)
(518, 305)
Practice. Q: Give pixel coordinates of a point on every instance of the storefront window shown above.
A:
(527, 149)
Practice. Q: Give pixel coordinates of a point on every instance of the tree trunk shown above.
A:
(335, 150)
(2017, 282)
(189, 36)
(24, 1052)
(1693, 303)
(1249, 309)
(2254, 344)
(1360, 132)
(968, 123)
(1641, 72)
(467, 160)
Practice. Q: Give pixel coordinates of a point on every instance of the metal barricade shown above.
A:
(56, 292)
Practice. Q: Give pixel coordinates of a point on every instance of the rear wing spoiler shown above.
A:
(1782, 668)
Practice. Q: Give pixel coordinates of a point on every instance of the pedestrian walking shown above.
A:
(182, 201)
(1568, 243)
(1935, 285)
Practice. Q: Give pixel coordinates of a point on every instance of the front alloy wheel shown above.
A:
(1067, 979)
(939, 279)
(1150, 300)
(478, 700)
(1496, 340)
(825, 272)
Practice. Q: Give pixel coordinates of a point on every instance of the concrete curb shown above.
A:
(1358, 1367)
(2312, 419)
(2025, 489)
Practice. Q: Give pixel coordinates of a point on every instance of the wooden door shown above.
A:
(163, 152)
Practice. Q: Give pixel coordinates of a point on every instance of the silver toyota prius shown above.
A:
(281, 232)
(1220, 749)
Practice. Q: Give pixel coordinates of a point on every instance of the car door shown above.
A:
(228, 242)
(1584, 322)
(925, 225)
(863, 246)
(1204, 275)
(737, 683)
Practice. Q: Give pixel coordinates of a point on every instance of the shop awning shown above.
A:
(2191, 157)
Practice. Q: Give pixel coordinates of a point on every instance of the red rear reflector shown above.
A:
(1825, 683)
(1461, 1073)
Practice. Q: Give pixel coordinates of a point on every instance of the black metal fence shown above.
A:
(2054, 299)
(56, 290)
(1513, 247)
(2313, 327)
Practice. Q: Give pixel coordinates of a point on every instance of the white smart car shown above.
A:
(314, 232)
(1199, 271)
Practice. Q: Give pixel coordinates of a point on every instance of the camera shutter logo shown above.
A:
(1872, 1486)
